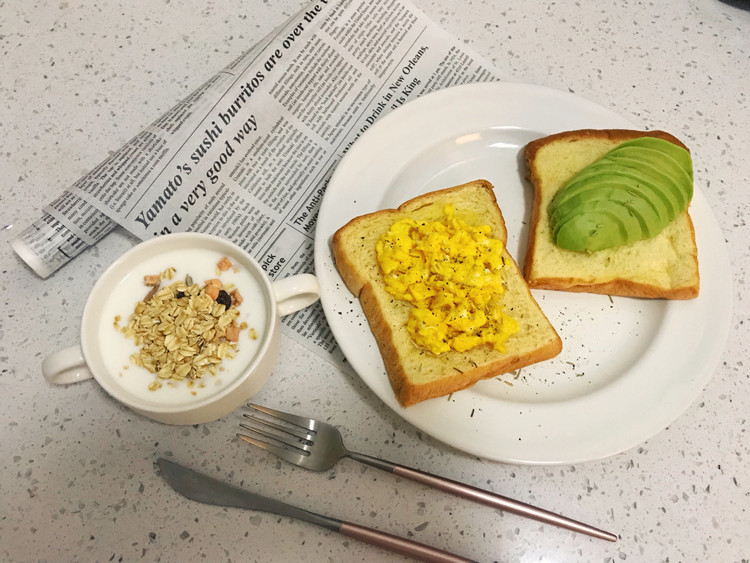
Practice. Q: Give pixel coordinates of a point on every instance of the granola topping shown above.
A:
(184, 330)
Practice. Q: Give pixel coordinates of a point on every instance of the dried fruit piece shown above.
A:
(233, 332)
(224, 264)
(224, 298)
(212, 291)
(151, 293)
(236, 297)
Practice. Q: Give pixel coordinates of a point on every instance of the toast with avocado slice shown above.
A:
(610, 214)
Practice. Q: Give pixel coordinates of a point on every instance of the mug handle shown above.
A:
(295, 292)
(66, 366)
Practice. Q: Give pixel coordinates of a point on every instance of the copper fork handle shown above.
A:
(484, 497)
(501, 502)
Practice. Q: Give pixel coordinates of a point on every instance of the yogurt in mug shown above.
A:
(201, 265)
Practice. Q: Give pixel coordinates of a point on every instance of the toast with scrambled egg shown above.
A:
(662, 266)
(447, 304)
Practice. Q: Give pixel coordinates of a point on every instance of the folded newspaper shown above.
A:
(248, 155)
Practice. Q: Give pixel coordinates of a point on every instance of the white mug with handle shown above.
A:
(104, 351)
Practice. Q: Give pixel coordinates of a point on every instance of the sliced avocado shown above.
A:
(629, 194)
(623, 182)
(666, 174)
(670, 182)
(676, 152)
(623, 224)
(592, 231)
(675, 185)
(629, 200)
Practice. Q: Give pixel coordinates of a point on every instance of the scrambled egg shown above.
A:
(451, 273)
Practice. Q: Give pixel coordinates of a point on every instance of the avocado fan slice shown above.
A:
(632, 193)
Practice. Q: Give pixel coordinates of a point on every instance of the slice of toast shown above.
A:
(416, 373)
(664, 266)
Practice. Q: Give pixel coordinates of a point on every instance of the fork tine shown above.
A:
(289, 440)
(282, 429)
(307, 423)
(291, 455)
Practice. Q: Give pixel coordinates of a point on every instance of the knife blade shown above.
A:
(202, 488)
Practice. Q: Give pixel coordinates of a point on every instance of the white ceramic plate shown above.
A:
(628, 367)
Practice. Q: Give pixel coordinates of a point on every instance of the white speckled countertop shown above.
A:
(77, 478)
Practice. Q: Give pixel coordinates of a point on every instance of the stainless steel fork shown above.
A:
(318, 446)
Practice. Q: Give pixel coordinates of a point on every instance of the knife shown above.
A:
(208, 490)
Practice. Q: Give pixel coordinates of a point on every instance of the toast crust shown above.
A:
(417, 374)
(579, 279)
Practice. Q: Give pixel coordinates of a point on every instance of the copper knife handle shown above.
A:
(400, 545)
